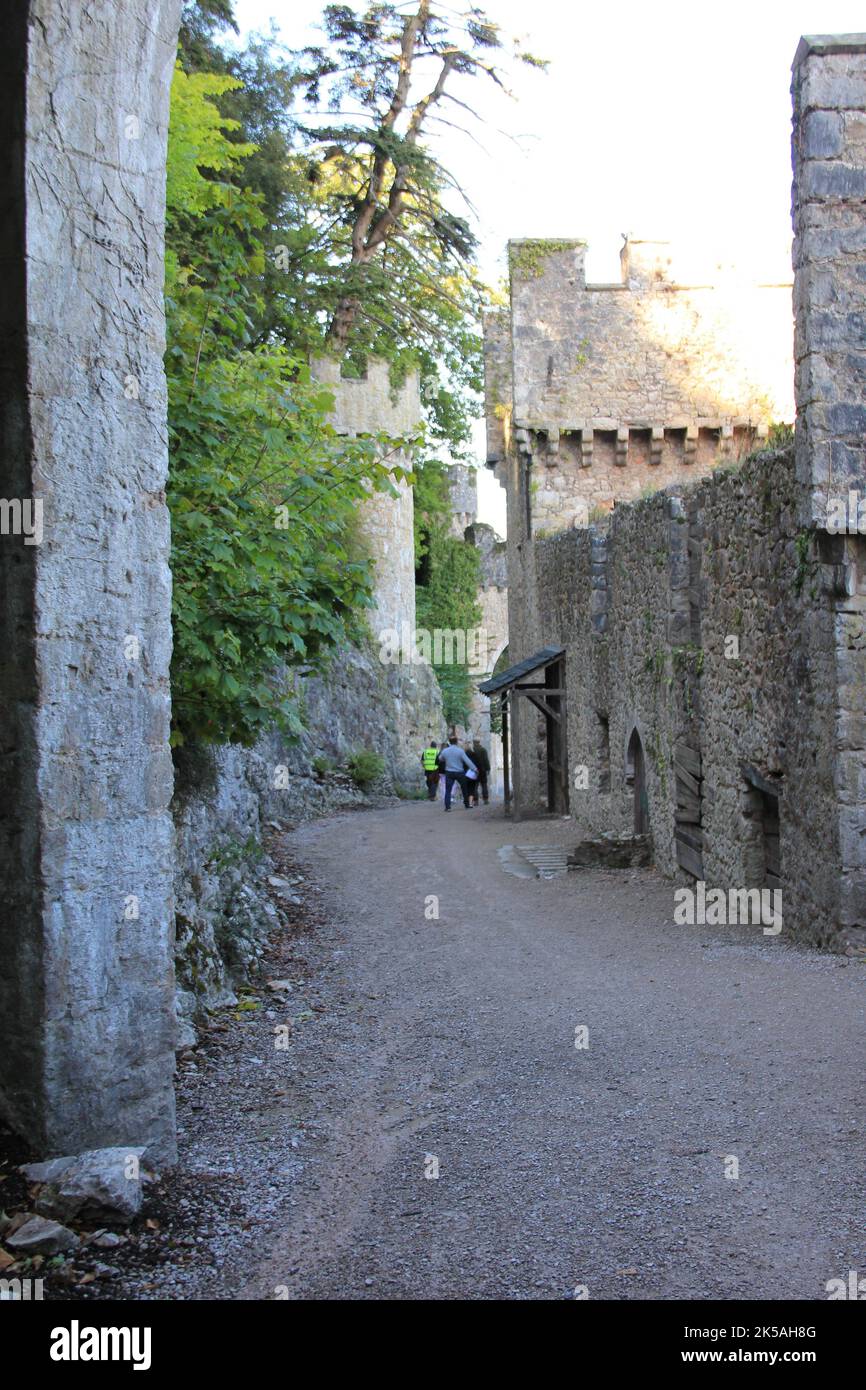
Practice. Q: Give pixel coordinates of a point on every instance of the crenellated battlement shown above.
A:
(370, 404)
(607, 391)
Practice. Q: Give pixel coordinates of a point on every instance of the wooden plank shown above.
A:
(688, 836)
(690, 783)
(687, 798)
(690, 758)
(690, 860)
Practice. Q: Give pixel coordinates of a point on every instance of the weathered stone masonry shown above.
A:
(829, 147)
(715, 629)
(679, 575)
(86, 987)
(607, 390)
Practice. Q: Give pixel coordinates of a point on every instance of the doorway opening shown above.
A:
(553, 708)
(763, 860)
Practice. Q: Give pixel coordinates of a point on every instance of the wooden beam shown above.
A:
(506, 770)
(692, 836)
(545, 709)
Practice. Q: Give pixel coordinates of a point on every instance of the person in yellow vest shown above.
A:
(430, 764)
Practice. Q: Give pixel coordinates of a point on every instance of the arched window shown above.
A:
(635, 776)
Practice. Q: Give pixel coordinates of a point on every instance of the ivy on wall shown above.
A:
(447, 577)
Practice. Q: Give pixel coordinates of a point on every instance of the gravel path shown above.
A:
(303, 1172)
(558, 1167)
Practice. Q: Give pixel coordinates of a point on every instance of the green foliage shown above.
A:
(359, 224)
(449, 601)
(198, 142)
(234, 853)
(688, 658)
(805, 564)
(447, 578)
(365, 768)
(781, 436)
(432, 499)
(502, 664)
(279, 228)
(267, 572)
(411, 793)
(528, 259)
(200, 22)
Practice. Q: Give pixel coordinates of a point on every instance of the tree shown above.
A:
(268, 574)
(276, 223)
(364, 252)
(200, 22)
(394, 186)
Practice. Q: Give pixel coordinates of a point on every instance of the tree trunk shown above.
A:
(342, 323)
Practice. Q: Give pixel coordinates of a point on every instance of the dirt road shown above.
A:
(449, 1046)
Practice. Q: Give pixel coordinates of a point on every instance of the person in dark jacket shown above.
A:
(454, 762)
(479, 755)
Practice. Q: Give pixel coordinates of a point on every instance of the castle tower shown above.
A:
(369, 405)
(607, 391)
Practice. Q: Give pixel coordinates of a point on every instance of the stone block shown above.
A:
(835, 179)
(822, 135)
(612, 852)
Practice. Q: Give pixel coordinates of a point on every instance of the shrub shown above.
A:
(365, 768)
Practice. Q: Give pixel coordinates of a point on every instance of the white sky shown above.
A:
(667, 120)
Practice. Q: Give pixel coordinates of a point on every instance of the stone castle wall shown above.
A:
(829, 145)
(94, 853)
(718, 625)
(681, 574)
(86, 973)
(611, 390)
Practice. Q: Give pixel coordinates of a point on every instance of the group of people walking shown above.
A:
(467, 765)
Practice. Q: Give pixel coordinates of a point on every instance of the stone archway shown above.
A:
(86, 838)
